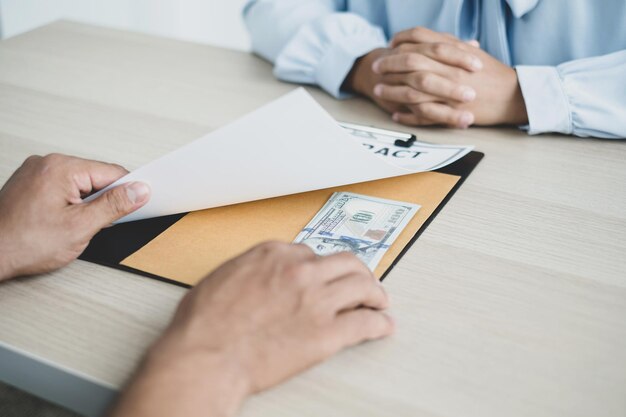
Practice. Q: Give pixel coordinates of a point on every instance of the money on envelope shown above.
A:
(365, 226)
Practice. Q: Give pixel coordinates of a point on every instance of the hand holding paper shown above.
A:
(288, 146)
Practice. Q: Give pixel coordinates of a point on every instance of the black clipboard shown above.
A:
(114, 244)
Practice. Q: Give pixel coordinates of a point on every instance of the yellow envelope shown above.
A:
(199, 242)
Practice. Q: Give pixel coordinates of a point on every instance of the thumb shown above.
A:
(117, 203)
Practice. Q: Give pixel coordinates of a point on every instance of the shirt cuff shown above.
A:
(547, 104)
(339, 59)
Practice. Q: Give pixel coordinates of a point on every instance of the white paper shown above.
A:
(288, 146)
(420, 156)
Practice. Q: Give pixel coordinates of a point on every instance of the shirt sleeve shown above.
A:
(310, 42)
(585, 97)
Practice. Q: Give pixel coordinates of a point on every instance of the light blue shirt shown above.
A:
(570, 55)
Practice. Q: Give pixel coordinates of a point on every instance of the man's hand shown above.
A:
(254, 322)
(362, 80)
(446, 92)
(428, 55)
(44, 225)
(428, 78)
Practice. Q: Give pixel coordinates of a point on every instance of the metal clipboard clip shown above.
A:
(402, 139)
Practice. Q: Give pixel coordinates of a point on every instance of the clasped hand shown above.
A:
(430, 78)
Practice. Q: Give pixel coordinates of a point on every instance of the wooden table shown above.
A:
(512, 303)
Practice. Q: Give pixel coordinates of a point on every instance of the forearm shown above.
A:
(187, 385)
(273, 23)
(310, 42)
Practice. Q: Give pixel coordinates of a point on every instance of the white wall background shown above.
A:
(216, 22)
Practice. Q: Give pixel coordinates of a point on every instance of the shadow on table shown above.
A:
(16, 403)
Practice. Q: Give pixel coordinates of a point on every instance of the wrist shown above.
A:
(517, 114)
(181, 382)
(362, 79)
(208, 377)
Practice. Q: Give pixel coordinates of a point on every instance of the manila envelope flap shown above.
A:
(201, 241)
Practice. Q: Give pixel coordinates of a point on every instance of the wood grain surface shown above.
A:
(512, 303)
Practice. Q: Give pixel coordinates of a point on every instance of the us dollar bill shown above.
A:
(365, 226)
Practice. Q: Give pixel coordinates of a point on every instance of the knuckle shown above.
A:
(353, 262)
(117, 201)
(52, 162)
(420, 109)
(412, 96)
(53, 158)
(362, 324)
(464, 58)
(345, 256)
(457, 73)
(426, 80)
(32, 159)
(417, 32)
(378, 324)
(363, 283)
(409, 120)
(303, 247)
(439, 49)
(455, 118)
(416, 118)
(32, 164)
(412, 61)
(375, 323)
(299, 273)
(269, 247)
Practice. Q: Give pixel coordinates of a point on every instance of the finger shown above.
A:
(296, 253)
(329, 268)
(436, 58)
(116, 203)
(287, 251)
(303, 252)
(444, 114)
(405, 63)
(33, 159)
(91, 176)
(458, 42)
(412, 119)
(453, 55)
(460, 55)
(357, 326)
(275, 252)
(473, 43)
(424, 87)
(421, 35)
(402, 94)
(103, 174)
(352, 291)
